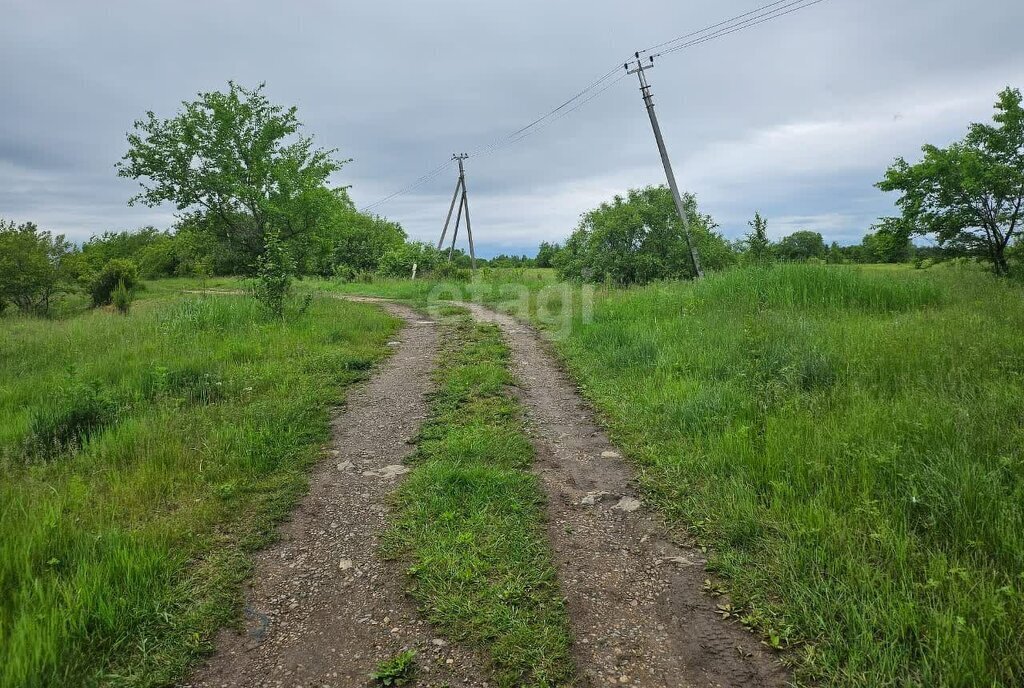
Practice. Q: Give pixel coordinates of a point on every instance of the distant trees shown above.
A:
(33, 267)
(801, 246)
(235, 163)
(546, 254)
(969, 195)
(638, 238)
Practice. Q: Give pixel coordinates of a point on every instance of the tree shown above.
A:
(969, 194)
(801, 245)
(757, 248)
(32, 266)
(639, 238)
(236, 160)
(889, 243)
(546, 254)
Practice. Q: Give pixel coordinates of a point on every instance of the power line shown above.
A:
(429, 176)
(746, 20)
(746, 24)
(712, 26)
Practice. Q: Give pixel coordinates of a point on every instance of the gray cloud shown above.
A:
(796, 118)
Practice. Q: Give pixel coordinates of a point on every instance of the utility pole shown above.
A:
(639, 68)
(463, 199)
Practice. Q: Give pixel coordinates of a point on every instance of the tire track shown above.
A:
(323, 609)
(635, 598)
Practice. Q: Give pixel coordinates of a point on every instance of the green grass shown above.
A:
(142, 458)
(849, 441)
(469, 518)
(851, 446)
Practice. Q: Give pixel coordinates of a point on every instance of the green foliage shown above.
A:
(398, 261)
(546, 254)
(801, 246)
(638, 239)
(889, 243)
(274, 275)
(235, 162)
(969, 195)
(400, 670)
(756, 247)
(188, 431)
(122, 298)
(33, 267)
(342, 236)
(449, 272)
(116, 271)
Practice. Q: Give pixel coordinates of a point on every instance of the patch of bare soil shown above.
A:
(635, 596)
(323, 609)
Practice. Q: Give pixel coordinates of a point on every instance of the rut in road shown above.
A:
(636, 606)
(323, 608)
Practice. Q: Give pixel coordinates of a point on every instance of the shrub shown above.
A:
(398, 261)
(451, 273)
(116, 271)
(274, 270)
(122, 298)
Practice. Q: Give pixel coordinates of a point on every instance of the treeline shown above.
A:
(638, 238)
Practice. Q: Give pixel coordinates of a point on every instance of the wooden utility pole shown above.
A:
(463, 198)
(639, 68)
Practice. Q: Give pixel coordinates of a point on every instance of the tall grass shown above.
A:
(850, 444)
(141, 459)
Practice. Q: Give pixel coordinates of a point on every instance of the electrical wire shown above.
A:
(740, 22)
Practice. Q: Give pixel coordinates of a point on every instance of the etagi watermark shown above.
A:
(555, 308)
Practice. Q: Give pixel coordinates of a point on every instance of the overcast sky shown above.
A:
(797, 117)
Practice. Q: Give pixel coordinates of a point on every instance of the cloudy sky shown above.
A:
(797, 117)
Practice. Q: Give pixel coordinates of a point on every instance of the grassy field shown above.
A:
(141, 459)
(469, 518)
(848, 441)
(850, 444)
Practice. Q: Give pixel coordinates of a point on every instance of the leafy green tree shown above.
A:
(970, 195)
(835, 254)
(889, 243)
(155, 252)
(236, 160)
(801, 245)
(546, 254)
(757, 248)
(343, 237)
(33, 266)
(638, 238)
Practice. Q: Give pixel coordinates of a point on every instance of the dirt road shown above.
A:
(324, 609)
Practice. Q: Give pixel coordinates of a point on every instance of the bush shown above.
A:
(122, 298)
(398, 261)
(452, 273)
(274, 270)
(116, 271)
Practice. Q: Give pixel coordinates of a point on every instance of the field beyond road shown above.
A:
(122, 553)
(850, 445)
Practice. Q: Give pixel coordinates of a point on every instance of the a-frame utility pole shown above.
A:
(639, 67)
(463, 198)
